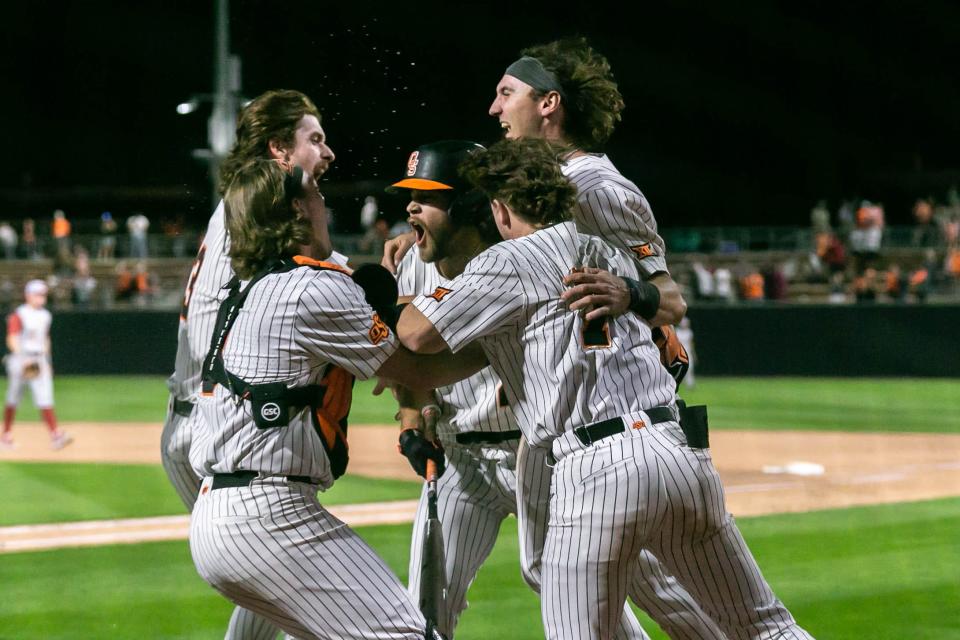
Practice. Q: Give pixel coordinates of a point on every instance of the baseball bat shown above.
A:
(433, 571)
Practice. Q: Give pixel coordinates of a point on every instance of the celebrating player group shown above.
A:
(525, 325)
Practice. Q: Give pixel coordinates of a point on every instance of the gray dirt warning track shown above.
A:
(859, 469)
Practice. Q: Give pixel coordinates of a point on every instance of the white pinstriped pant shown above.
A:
(174, 454)
(274, 550)
(645, 489)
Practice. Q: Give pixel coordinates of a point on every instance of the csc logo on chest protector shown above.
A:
(270, 412)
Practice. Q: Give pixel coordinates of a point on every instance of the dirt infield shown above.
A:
(858, 469)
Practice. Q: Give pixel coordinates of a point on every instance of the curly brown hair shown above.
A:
(593, 103)
(273, 115)
(525, 175)
(261, 220)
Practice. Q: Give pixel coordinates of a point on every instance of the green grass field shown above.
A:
(875, 572)
(879, 404)
(878, 572)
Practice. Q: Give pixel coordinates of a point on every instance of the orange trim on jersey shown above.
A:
(14, 324)
(335, 406)
(672, 350)
(592, 328)
(304, 261)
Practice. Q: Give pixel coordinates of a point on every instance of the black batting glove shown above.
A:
(418, 450)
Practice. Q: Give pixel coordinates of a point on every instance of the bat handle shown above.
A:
(432, 472)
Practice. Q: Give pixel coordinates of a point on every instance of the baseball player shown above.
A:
(274, 403)
(478, 430)
(598, 399)
(283, 125)
(28, 363)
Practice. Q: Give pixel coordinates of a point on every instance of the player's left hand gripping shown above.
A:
(598, 292)
(418, 450)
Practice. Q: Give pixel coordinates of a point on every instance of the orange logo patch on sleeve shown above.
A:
(379, 330)
(643, 250)
(440, 293)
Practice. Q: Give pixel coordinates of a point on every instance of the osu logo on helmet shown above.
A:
(412, 163)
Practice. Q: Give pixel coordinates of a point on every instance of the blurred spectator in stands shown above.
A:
(846, 219)
(820, 218)
(685, 336)
(8, 239)
(895, 283)
(84, 284)
(60, 231)
(723, 285)
(835, 256)
(774, 282)
(124, 287)
(865, 286)
(926, 233)
(399, 228)
(752, 286)
(704, 282)
(373, 239)
(28, 240)
(866, 237)
(108, 236)
(137, 226)
(174, 233)
(369, 212)
(920, 283)
(838, 293)
(145, 284)
(9, 297)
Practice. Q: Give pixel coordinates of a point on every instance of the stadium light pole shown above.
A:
(221, 126)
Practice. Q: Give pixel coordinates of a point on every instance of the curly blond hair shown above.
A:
(593, 103)
(524, 174)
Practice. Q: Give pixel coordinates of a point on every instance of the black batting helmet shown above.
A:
(435, 167)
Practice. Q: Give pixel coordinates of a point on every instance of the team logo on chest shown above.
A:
(440, 293)
(643, 250)
(412, 163)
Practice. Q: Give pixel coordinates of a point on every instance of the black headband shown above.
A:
(532, 71)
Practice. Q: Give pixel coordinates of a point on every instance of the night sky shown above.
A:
(739, 116)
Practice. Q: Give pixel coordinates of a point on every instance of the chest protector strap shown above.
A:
(272, 402)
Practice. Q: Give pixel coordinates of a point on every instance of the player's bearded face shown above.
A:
(310, 149)
(516, 109)
(430, 222)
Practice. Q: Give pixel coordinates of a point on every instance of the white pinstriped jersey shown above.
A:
(509, 298)
(201, 302)
(32, 328)
(291, 327)
(612, 207)
(472, 404)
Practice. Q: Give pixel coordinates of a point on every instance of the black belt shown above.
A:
(487, 437)
(244, 478)
(182, 407)
(600, 430)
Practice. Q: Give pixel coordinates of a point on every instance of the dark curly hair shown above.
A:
(593, 103)
(524, 174)
(273, 115)
(261, 220)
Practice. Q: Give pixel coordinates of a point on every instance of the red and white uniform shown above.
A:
(31, 326)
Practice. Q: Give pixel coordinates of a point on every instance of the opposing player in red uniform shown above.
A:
(28, 364)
